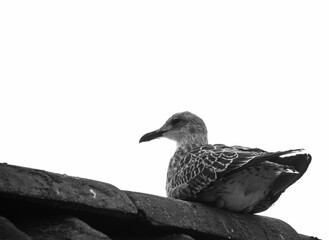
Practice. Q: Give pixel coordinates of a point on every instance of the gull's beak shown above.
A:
(152, 135)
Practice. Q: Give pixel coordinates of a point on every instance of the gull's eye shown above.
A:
(175, 121)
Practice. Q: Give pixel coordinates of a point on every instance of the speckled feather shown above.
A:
(193, 171)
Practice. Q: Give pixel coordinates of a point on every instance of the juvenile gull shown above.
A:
(236, 178)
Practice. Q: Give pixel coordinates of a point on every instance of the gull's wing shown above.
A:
(204, 165)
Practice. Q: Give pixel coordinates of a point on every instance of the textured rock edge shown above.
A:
(85, 200)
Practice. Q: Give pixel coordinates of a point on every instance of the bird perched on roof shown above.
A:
(236, 178)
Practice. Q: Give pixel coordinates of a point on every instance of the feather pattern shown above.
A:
(201, 166)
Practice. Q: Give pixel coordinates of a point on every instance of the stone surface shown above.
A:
(177, 237)
(63, 191)
(190, 216)
(9, 232)
(40, 205)
(60, 227)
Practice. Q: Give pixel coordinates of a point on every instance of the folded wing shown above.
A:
(207, 164)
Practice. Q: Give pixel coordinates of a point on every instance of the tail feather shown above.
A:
(294, 164)
(289, 170)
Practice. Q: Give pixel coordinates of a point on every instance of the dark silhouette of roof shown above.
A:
(36, 204)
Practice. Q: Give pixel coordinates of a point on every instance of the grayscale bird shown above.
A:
(236, 178)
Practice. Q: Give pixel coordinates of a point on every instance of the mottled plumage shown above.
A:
(236, 178)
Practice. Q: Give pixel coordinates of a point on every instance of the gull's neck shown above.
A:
(184, 145)
(191, 141)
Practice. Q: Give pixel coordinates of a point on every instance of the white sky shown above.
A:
(82, 81)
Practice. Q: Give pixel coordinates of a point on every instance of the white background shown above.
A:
(82, 81)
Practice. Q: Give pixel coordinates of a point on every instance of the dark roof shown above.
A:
(36, 204)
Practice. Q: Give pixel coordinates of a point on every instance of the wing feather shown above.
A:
(204, 165)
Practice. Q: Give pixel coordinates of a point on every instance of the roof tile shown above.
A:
(166, 212)
(62, 190)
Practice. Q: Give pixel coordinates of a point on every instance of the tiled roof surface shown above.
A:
(36, 204)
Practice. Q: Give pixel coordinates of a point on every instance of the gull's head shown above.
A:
(183, 127)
